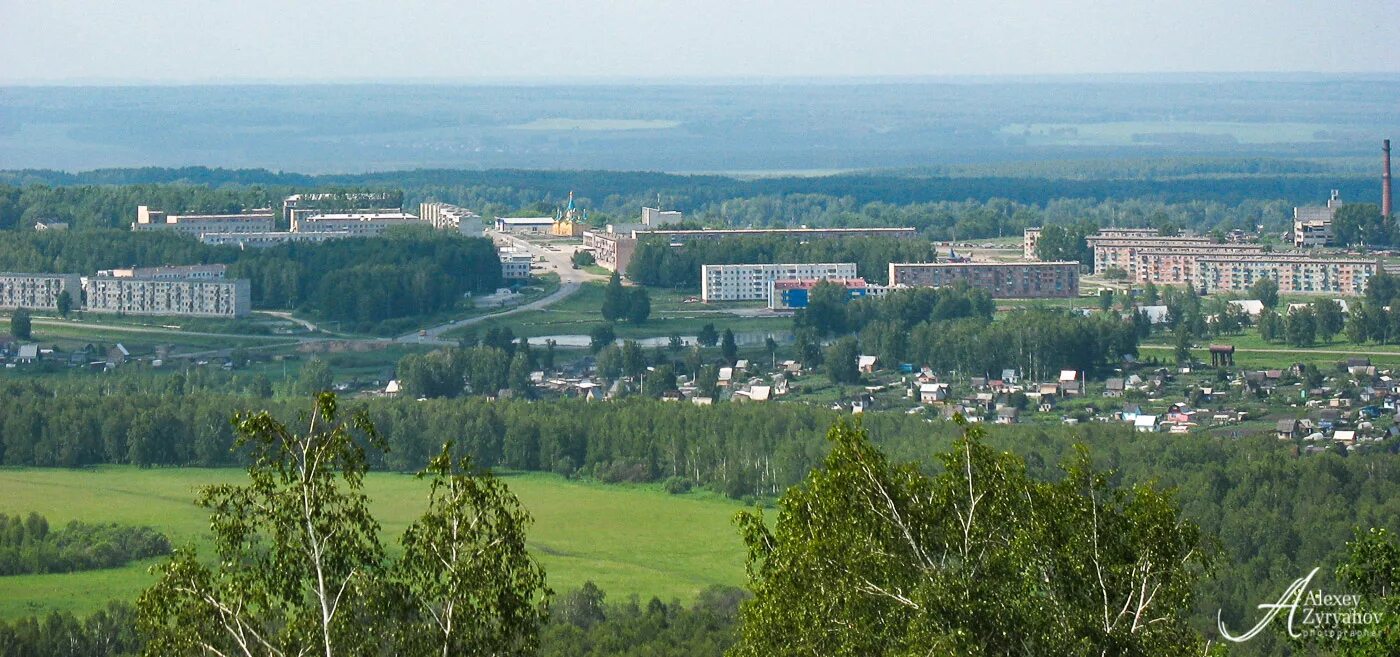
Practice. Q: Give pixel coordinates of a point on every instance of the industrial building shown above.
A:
(147, 296)
(1295, 274)
(444, 216)
(752, 282)
(248, 221)
(1003, 280)
(517, 225)
(38, 291)
(793, 295)
(1312, 224)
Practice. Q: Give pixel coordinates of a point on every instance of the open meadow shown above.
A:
(626, 539)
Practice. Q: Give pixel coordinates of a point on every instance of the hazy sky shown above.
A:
(69, 41)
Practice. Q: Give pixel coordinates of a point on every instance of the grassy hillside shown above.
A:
(626, 539)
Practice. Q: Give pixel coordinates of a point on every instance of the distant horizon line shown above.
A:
(700, 81)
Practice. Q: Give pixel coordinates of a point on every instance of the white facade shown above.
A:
(357, 224)
(248, 221)
(751, 282)
(658, 217)
(1312, 224)
(147, 296)
(524, 224)
(444, 216)
(38, 291)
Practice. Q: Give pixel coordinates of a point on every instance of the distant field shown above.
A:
(626, 539)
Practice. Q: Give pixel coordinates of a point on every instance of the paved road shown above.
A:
(557, 261)
(147, 329)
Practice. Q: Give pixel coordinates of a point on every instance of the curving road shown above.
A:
(557, 260)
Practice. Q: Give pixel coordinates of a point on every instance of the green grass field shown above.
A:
(627, 539)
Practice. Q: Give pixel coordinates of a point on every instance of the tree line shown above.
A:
(405, 274)
(29, 546)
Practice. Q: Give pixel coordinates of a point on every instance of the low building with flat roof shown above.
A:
(524, 224)
(263, 240)
(515, 265)
(170, 272)
(1003, 280)
(795, 294)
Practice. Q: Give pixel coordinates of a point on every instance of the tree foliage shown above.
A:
(301, 569)
(867, 557)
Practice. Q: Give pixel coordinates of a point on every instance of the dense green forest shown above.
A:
(411, 272)
(29, 546)
(657, 263)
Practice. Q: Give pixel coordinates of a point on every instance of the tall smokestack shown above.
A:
(1385, 181)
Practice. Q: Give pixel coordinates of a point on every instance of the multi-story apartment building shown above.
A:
(1295, 274)
(792, 295)
(170, 272)
(657, 217)
(613, 251)
(356, 224)
(1177, 266)
(751, 282)
(248, 221)
(1003, 280)
(1121, 252)
(149, 296)
(39, 291)
(444, 216)
(1312, 224)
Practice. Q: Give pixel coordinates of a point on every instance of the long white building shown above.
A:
(38, 291)
(150, 296)
(248, 221)
(752, 282)
(356, 224)
(262, 240)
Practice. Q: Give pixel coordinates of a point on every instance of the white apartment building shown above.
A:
(147, 296)
(356, 224)
(248, 221)
(38, 291)
(752, 282)
(444, 216)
